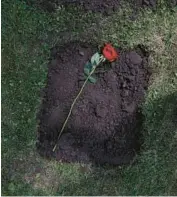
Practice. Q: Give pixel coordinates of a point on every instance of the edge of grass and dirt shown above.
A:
(28, 34)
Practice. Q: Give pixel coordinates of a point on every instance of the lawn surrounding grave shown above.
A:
(28, 34)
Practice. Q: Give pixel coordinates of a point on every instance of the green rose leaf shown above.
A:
(92, 79)
(88, 65)
(86, 71)
(95, 59)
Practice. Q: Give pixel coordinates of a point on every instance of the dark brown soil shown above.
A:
(103, 6)
(105, 125)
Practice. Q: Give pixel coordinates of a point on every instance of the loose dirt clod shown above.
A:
(105, 125)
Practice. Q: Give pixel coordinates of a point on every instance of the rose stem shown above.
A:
(69, 114)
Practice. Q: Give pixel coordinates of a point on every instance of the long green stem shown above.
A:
(69, 114)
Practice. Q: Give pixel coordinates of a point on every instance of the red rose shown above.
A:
(110, 53)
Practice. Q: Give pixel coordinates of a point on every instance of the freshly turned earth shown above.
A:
(105, 125)
(103, 6)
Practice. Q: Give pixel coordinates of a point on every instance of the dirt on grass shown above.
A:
(105, 124)
(103, 6)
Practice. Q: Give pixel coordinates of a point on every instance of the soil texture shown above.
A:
(103, 6)
(105, 124)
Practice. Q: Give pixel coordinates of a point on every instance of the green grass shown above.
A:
(27, 36)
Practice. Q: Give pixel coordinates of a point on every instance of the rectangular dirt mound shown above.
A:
(105, 123)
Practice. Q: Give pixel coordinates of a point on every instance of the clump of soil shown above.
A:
(105, 124)
(103, 6)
